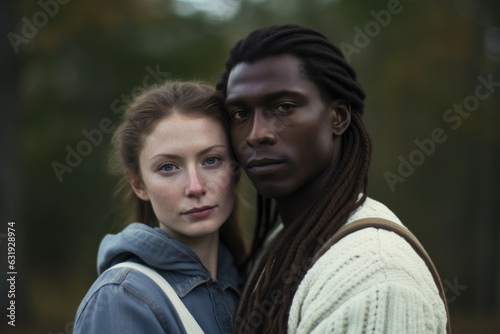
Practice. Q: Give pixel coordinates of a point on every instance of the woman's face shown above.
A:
(187, 175)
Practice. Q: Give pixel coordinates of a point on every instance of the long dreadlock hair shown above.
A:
(268, 297)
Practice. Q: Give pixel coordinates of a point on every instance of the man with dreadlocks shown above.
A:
(296, 128)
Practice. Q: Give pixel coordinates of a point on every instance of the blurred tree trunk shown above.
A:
(485, 165)
(494, 181)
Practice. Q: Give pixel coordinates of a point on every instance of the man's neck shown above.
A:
(291, 207)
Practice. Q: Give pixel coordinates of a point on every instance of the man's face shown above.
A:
(281, 129)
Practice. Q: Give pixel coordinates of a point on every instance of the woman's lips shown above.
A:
(200, 212)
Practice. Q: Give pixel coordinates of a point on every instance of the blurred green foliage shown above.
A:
(92, 53)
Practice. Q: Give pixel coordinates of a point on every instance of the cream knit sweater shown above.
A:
(371, 281)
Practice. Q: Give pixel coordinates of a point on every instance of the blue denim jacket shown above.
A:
(124, 301)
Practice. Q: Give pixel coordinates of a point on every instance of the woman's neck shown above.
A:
(206, 247)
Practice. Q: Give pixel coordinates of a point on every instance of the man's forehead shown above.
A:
(269, 66)
(276, 73)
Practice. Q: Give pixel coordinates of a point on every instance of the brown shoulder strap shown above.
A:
(401, 231)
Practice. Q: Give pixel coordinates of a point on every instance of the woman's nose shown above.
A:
(195, 186)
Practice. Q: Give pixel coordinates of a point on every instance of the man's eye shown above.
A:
(284, 108)
(239, 114)
(168, 167)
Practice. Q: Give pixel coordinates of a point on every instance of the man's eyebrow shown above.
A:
(281, 93)
(268, 97)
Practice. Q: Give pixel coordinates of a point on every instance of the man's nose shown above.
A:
(262, 132)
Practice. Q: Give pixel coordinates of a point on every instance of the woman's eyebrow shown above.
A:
(177, 156)
(208, 149)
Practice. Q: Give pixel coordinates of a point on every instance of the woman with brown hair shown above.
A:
(174, 151)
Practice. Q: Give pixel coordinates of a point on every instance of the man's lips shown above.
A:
(199, 212)
(262, 166)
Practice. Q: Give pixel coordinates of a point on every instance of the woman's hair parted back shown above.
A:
(282, 269)
(141, 117)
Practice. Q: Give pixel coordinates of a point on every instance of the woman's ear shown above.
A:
(341, 116)
(138, 186)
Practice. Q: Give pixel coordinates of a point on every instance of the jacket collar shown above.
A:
(176, 262)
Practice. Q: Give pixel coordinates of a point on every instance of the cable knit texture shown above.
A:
(371, 281)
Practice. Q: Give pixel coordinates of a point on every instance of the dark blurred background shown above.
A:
(68, 67)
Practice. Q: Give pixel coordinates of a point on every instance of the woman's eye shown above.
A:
(167, 167)
(212, 160)
(284, 108)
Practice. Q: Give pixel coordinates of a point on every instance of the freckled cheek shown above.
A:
(220, 186)
(221, 182)
(166, 195)
(225, 195)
